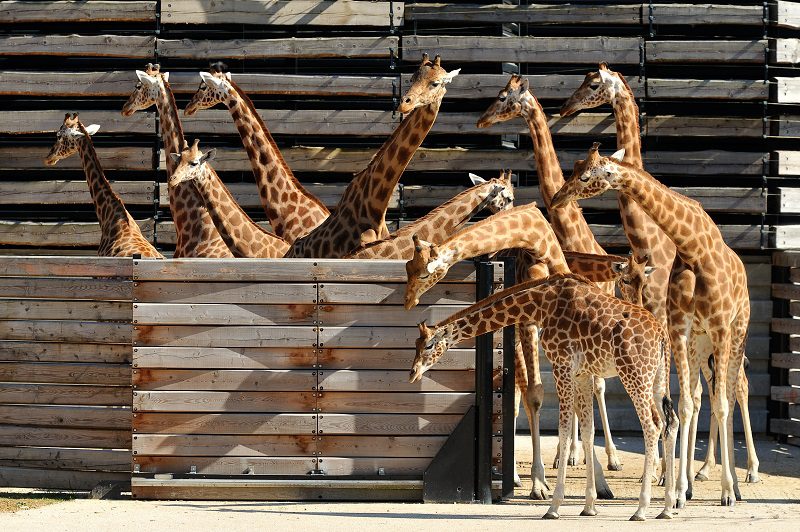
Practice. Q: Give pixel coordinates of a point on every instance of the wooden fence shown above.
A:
(786, 358)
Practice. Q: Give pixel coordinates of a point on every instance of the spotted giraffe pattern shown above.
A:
(709, 301)
(601, 336)
(291, 209)
(241, 234)
(120, 234)
(360, 215)
(496, 195)
(196, 234)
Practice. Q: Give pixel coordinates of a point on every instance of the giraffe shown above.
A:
(196, 234)
(291, 209)
(360, 215)
(520, 228)
(713, 310)
(243, 236)
(587, 332)
(495, 194)
(571, 229)
(120, 234)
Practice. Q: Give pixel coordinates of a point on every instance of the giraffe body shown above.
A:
(120, 234)
(601, 336)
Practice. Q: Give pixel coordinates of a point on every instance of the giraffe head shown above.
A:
(190, 164)
(590, 177)
(431, 345)
(427, 84)
(426, 268)
(500, 194)
(597, 88)
(632, 279)
(147, 89)
(68, 136)
(215, 88)
(513, 100)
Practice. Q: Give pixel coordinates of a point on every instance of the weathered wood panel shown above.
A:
(696, 14)
(711, 89)
(787, 14)
(271, 380)
(94, 417)
(390, 358)
(63, 352)
(380, 446)
(394, 294)
(716, 51)
(59, 459)
(389, 424)
(64, 394)
(222, 314)
(63, 11)
(530, 14)
(20, 477)
(78, 288)
(59, 234)
(59, 310)
(66, 373)
(130, 46)
(221, 293)
(64, 437)
(395, 381)
(373, 337)
(228, 336)
(223, 445)
(30, 122)
(71, 192)
(313, 47)
(784, 51)
(223, 357)
(66, 331)
(26, 158)
(227, 423)
(226, 465)
(75, 267)
(200, 401)
(399, 402)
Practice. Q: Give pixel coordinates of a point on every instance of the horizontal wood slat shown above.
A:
(78, 288)
(21, 477)
(66, 373)
(60, 459)
(71, 310)
(296, 47)
(59, 234)
(57, 266)
(530, 14)
(121, 46)
(64, 352)
(227, 423)
(717, 51)
(95, 417)
(118, 158)
(66, 331)
(71, 192)
(63, 11)
(196, 401)
(64, 394)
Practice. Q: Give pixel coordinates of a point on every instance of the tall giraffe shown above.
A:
(120, 234)
(601, 336)
(241, 234)
(360, 215)
(495, 194)
(197, 236)
(291, 209)
(520, 228)
(571, 229)
(714, 310)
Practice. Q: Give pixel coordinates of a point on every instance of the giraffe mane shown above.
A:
(659, 184)
(174, 107)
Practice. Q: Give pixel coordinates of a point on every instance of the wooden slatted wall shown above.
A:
(65, 346)
(259, 367)
(786, 358)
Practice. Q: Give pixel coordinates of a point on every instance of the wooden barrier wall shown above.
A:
(786, 357)
(283, 368)
(65, 353)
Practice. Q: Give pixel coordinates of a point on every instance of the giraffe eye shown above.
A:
(203, 86)
(139, 85)
(436, 83)
(584, 178)
(594, 86)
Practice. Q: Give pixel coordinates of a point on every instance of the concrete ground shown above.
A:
(772, 504)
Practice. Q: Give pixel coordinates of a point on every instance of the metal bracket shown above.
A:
(450, 477)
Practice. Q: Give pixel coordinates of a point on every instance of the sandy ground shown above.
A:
(772, 504)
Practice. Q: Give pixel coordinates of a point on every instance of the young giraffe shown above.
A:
(571, 229)
(496, 195)
(588, 333)
(121, 235)
(291, 209)
(243, 236)
(520, 228)
(360, 215)
(197, 236)
(713, 311)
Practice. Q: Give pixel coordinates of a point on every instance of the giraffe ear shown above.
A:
(476, 179)
(176, 157)
(210, 155)
(524, 85)
(619, 267)
(211, 81)
(619, 154)
(450, 75)
(606, 76)
(648, 270)
(145, 78)
(166, 76)
(92, 129)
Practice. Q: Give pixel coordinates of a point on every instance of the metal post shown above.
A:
(483, 393)
(509, 369)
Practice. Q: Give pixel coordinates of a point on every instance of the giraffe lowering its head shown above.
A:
(598, 88)
(633, 278)
(68, 138)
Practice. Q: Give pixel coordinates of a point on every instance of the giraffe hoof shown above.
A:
(636, 517)
(661, 481)
(737, 494)
(701, 476)
(550, 515)
(555, 463)
(664, 515)
(680, 504)
(752, 478)
(588, 512)
(539, 493)
(615, 466)
(572, 461)
(727, 501)
(605, 494)
(517, 481)
(689, 494)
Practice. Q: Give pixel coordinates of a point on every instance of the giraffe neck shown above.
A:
(241, 234)
(626, 115)
(568, 223)
(169, 124)
(291, 209)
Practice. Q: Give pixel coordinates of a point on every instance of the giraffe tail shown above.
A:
(666, 401)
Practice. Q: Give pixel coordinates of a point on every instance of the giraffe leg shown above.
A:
(573, 449)
(738, 391)
(669, 437)
(611, 450)
(721, 401)
(742, 397)
(713, 432)
(583, 405)
(564, 389)
(534, 395)
(699, 350)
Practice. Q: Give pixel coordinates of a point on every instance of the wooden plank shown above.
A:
(58, 266)
(222, 292)
(788, 126)
(227, 423)
(197, 401)
(312, 47)
(784, 51)
(696, 14)
(64, 394)
(394, 294)
(118, 158)
(389, 424)
(223, 357)
(703, 126)
(712, 89)
(59, 234)
(395, 381)
(69, 310)
(794, 308)
(58, 352)
(283, 13)
(710, 51)
(66, 331)
(259, 380)
(794, 378)
(334, 465)
(95, 417)
(787, 14)
(786, 325)
(78, 288)
(389, 358)
(35, 122)
(66, 373)
(124, 46)
(787, 89)
(226, 465)
(789, 200)
(50, 437)
(15, 12)
(788, 162)
(57, 458)
(227, 336)
(786, 258)
(300, 122)
(223, 445)
(785, 426)
(530, 14)
(787, 237)
(615, 50)
(221, 314)
(397, 402)
(357, 315)
(736, 236)
(19, 477)
(373, 337)
(71, 192)
(381, 446)
(785, 394)
(704, 162)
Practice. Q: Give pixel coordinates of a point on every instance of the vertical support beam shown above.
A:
(483, 392)
(509, 371)
(779, 343)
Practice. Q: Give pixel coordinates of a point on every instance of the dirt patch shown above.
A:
(14, 501)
